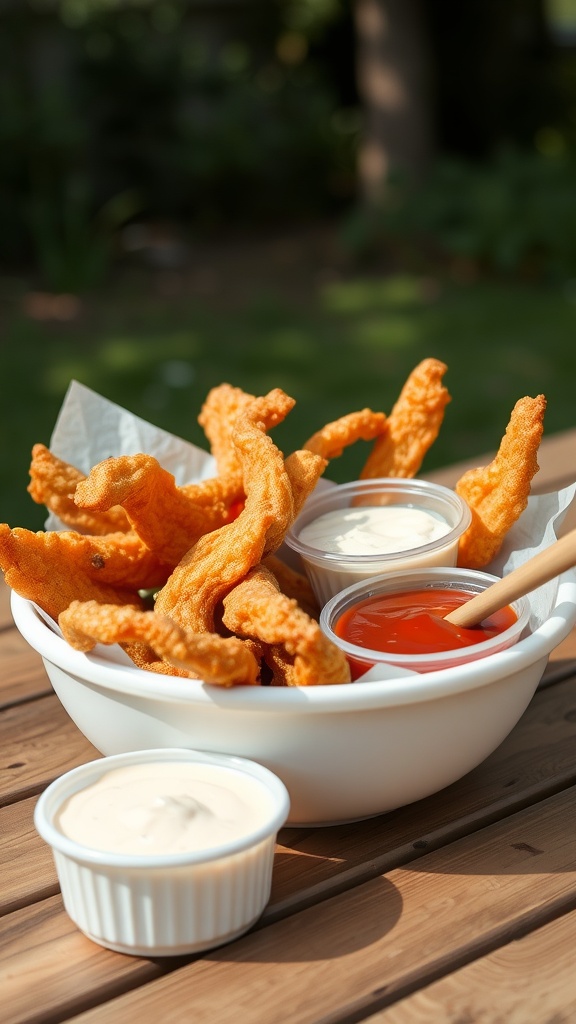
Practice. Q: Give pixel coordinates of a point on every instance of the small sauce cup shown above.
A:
(469, 581)
(330, 572)
(170, 903)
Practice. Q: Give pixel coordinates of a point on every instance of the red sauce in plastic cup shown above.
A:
(400, 619)
(413, 622)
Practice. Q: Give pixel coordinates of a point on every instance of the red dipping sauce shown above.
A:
(412, 622)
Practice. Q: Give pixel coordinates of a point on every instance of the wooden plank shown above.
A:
(45, 958)
(26, 862)
(6, 620)
(38, 741)
(531, 763)
(23, 676)
(356, 952)
(530, 979)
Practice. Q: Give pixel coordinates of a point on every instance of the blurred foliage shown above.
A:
(350, 345)
(514, 215)
(204, 114)
(209, 114)
(73, 244)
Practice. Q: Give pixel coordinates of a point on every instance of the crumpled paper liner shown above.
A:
(90, 428)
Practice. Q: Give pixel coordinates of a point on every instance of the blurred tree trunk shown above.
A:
(393, 80)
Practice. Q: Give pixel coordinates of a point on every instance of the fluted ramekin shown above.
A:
(168, 904)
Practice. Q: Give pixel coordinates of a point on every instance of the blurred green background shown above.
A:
(312, 194)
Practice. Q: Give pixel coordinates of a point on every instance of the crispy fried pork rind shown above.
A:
(158, 644)
(497, 494)
(55, 568)
(228, 610)
(182, 542)
(169, 519)
(412, 426)
(304, 469)
(53, 483)
(297, 650)
(221, 558)
(294, 584)
(218, 420)
(331, 440)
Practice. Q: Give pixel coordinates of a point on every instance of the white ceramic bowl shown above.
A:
(166, 904)
(329, 572)
(469, 581)
(344, 752)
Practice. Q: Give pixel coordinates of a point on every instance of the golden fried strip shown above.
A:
(300, 654)
(497, 494)
(304, 469)
(217, 418)
(53, 483)
(221, 558)
(145, 657)
(121, 559)
(413, 424)
(331, 440)
(293, 584)
(55, 568)
(225, 661)
(169, 519)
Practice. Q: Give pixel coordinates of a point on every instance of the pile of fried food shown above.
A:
(227, 609)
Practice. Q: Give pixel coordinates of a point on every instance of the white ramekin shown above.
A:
(164, 905)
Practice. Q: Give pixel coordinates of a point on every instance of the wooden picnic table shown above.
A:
(459, 908)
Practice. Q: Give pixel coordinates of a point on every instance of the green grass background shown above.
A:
(350, 344)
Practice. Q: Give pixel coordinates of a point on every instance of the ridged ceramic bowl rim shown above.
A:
(76, 779)
(127, 679)
(452, 578)
(340, 496)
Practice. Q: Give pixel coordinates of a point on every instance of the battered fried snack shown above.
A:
(121, 559)
(53, 484)
(331, 440)
(497, 494)
(169, 519)
(159, 644)
(297, 651)
(55, 568)
(228, 610)
(220, 559)
(412, 426)
(293, 584)
(217, 418)
(304, 469)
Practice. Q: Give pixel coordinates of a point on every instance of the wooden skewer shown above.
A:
(537, 570)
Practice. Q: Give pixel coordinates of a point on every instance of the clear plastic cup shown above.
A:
(470, 581)
(330, 572)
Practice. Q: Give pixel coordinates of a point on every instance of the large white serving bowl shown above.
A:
(344, 752)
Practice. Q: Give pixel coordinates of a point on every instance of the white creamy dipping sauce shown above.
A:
(164, 808)
(374, 529)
